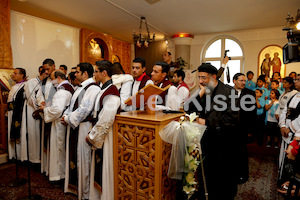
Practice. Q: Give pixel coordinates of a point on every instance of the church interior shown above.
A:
(193, 32)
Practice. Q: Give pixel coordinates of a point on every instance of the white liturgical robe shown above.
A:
(74, 119)
(293, 125)
(22, 146)
(45, 94)
(53, 113)
(101, 136)
(31, 88)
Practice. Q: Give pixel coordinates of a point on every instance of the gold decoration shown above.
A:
(17, 124)
(72, 165)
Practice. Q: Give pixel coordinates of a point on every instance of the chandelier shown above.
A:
(140, 39)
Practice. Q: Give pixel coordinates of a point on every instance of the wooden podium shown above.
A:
(141, 158)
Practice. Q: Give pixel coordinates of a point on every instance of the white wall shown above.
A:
(34, 39)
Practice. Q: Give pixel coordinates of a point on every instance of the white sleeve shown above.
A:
(295, 126)
(125, 93)
(183, 94)
(282, 117)
(60, 101)
(172, 99)
(85, 108)
(106, 118)
(149, 82)
(40, 96)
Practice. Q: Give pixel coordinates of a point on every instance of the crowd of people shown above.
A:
(69, 120)
(278, 119)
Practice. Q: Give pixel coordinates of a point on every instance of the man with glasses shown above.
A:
(245, 126)
(214, 106)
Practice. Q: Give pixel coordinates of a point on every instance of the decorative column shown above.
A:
(182, 43)
(5, 47)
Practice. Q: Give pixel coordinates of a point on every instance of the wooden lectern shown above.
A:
(141, 158)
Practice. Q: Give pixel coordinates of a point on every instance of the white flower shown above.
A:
(192, 116)
(193, 165)
(188, 190)
(188, 159)
(190, 178)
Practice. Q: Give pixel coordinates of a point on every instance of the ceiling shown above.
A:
(165, 17)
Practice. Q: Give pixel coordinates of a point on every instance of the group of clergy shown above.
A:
(69, 127)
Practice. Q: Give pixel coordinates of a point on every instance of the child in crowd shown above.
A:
(249, 83)
(276, 76)
(272, 128)
(274, 86)
(260, 85)
(293, 75)
(260, 115)
(267, 83)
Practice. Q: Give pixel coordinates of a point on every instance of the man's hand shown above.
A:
(285, 131)
(202, 90)
(289, 154)
(41, 108)
(201, 121)
(62, 120)
(225, 60)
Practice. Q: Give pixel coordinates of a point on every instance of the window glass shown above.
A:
(233, 47)
(214, 50)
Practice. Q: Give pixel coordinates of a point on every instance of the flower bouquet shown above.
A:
(185, 137)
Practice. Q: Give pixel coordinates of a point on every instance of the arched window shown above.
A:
(214, 52)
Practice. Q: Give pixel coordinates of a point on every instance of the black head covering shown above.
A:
(208, 68)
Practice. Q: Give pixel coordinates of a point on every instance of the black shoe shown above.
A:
(268, 144)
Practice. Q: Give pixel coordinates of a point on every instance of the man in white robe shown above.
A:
(289, 123)
(31, 88)
(182, 89)
(16, 131)
(44, 97)
(78, 152)
(53, 113)
(101, 136)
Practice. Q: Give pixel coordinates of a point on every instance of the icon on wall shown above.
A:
(270, 61)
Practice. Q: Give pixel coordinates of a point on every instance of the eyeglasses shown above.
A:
(296, 79)
(203, 77)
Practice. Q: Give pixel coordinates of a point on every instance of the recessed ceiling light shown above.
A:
(22, 0)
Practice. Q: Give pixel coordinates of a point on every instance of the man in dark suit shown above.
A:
(247, 114)
(216, 106)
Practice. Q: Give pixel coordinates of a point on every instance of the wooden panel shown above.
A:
(111, 49)
(5, 47)
(123, 51)
(3, 122)
(141, 158)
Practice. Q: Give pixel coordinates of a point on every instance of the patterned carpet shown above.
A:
(263, 169)
(40, 184)
(261, 184)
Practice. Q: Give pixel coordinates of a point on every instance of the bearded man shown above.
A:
(215, 105)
